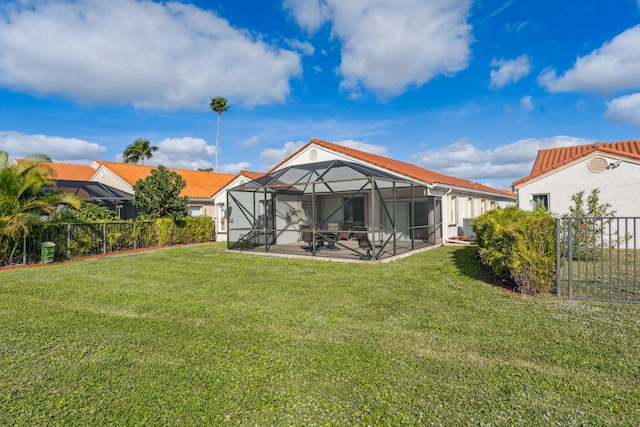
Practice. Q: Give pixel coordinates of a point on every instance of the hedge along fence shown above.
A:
(519, 246)
(74, 240)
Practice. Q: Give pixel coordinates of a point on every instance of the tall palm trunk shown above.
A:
(217, 140)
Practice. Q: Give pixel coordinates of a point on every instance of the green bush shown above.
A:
(493, 239)
(519, 246)
(533, 256)
(195, 229)
(164, 230)
(187, 230)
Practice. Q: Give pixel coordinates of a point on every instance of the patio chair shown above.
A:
(364, 243)
(345, 231)
(333, 229)
(307, 236)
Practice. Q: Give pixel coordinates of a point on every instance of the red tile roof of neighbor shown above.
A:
(251, 175)
(200, 184)
(70, 171)
(407, 169)
(553, 158)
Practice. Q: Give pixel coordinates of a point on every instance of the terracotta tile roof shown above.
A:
(200, 185)
(553, 158)
(251, 175)
(68, 171)
(403, 168)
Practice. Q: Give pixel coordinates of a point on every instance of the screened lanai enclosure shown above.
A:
(334, 209)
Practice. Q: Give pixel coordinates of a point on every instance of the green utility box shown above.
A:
(48, 252)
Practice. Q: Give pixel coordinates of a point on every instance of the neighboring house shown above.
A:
(206, 190)
(76, 179)
(324, 183)
(559, 173)
(220, 202)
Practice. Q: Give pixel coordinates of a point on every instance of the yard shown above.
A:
(194, 335)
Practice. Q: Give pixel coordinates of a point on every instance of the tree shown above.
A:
(219, 105)
(23, 204)
(159, 195)
(138, 151)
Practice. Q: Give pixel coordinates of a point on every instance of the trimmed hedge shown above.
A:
(519, 246)
(77, 239)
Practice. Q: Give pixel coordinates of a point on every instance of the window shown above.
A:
(471, 211)
(306, 211)
(492, 205)
(195, 210)
(483, 206)
(453, 210)
(354, 211)
(540, 201)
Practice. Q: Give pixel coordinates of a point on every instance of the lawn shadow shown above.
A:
(467, 260)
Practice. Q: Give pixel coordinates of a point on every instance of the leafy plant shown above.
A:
(589, 221)
(88, 212)
(23, 203)
(164, 229)
(519, 246)
(159, 195)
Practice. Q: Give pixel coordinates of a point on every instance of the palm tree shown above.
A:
(219, 105)
(138, 151)
(22, 203)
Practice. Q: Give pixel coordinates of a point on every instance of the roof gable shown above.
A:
(553, 158)
(402, 168)
(200, 184)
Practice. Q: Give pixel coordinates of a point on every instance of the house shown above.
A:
(206, 190)
(559, 173)
(398, 205)
(76, 179)
(220, 201)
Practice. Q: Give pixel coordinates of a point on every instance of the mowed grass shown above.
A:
(196, 336)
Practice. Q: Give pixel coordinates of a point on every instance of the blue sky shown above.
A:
(471, 89)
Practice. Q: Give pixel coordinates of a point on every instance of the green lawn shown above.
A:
(196, 336)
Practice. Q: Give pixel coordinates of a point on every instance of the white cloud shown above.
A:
(615, 66)
(272, 156)
(498, 167)
(235, 168)
(309, 14)
(389, 45)
(152, 55)
(254, 140)
(509, 71)
(624, 110)
(304, 47)
(64, 150)
(183, 153)
(526, 103)
(369, 148)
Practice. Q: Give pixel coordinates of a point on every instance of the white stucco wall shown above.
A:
(619, 186)
(105, 176)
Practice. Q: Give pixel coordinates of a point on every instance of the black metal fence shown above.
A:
(66, 241)
(597, 258)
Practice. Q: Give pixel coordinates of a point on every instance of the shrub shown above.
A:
(187, 230)
(589, 223)
(519, 246)
(164, 230)
(493, 239)
(194, 229)
(533, 256)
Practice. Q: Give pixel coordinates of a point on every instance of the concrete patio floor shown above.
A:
(346, 251)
